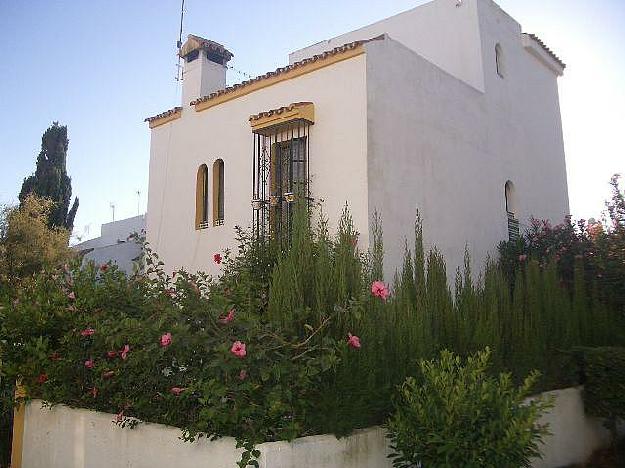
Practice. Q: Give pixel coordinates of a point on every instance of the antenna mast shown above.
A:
(179, 44)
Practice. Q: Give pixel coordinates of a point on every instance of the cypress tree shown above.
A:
(50, 179)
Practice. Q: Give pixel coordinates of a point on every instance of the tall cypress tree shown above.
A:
(50, 179)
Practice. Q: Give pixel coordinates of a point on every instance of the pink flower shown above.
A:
(124, 352)
(111, 354)
(243, 374)
(176, 390)
(217, 258)
(43, 378)
(119, 417)
(522, 258)
(94, 392)
(228, 318)
(71, 296)
(104, 267)
(353, 341)
(166, 340)
(87, 332)
(89, 363)
(238, 349)
(379, 289)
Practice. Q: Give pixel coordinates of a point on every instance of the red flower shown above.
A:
(238, 349)
(43, 378)
(111, 354)
(379, 289)
(353, 341)
(166, 340)
(217, 258)
(228, 318)
(522, 258)
(176, 390)
(124, 352)
(104, 267)
(89, 363)
(87, 332)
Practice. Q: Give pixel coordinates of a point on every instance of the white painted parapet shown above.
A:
(76, 438)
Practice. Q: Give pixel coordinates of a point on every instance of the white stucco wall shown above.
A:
(337, 159)
(446, 148)
(76, 438)
(441, 31)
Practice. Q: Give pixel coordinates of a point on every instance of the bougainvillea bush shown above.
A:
(295, 338)
(597, 246)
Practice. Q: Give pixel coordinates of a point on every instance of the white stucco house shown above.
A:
(448, 108)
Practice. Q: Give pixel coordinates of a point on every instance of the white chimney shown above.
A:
(204, 69)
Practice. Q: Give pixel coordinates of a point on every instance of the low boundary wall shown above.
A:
(63, 437)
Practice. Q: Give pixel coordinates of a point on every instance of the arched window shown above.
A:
(511, 211)
(201, 198)
(510, 198)
(499, 60)
(218, 192)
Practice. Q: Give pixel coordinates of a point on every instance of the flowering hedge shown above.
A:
(290, 340)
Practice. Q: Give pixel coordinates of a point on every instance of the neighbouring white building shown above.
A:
(448, 108)
(116, 244)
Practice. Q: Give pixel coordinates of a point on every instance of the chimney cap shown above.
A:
(218, 53)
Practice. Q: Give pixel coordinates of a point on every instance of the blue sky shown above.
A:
(101, 67)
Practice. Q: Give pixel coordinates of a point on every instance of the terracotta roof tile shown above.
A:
(162, 115)
(278, 111)
(548, 50)
(279, 71)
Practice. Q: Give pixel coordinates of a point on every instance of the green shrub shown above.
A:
(456, 414)
(603, 376)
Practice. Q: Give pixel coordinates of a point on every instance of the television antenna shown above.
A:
(179, 76)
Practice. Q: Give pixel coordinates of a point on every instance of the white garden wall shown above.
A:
(76, 438)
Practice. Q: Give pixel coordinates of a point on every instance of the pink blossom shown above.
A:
(176, 390)
(111, 354)
(217, 258)
(166, 340)
(229, 317)
(119, 417)
(87, 332)
(71, 295)
(43, 378)
(89, 363)
(124, 352)
(243, 374)
(353, 341)
(104, 267)
(238, 349)
(379, 289)
(522, 258)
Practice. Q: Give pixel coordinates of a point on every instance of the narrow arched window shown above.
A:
(511, 211)
(499, 60)
(218, 192)
(201, 198)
